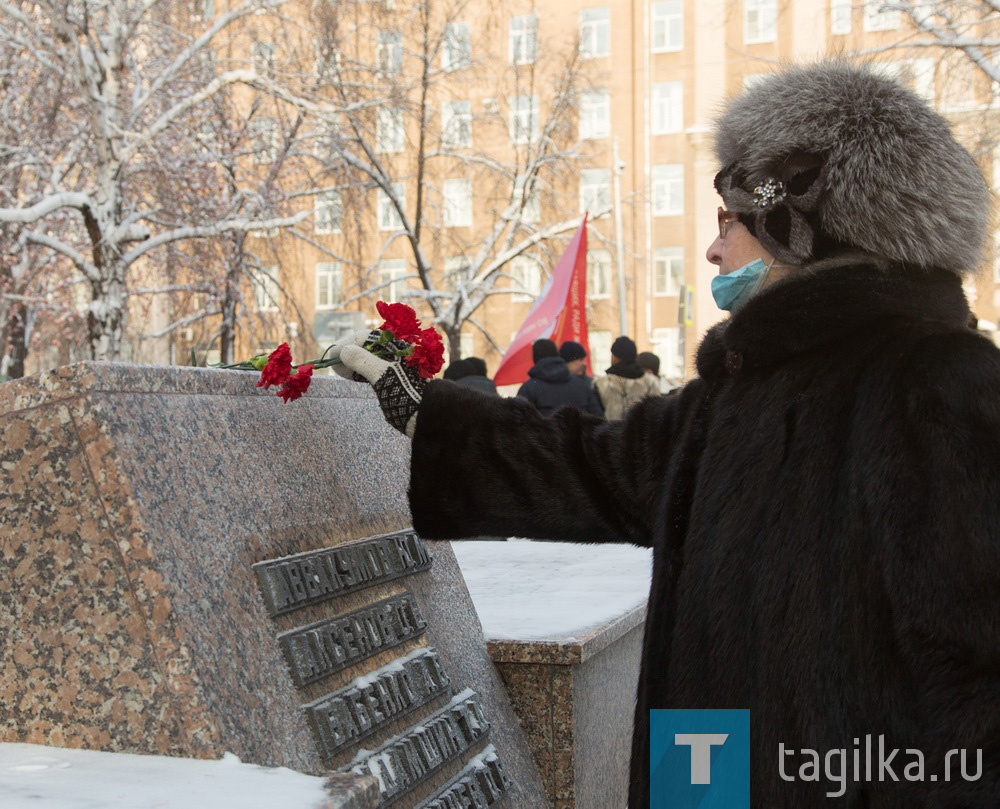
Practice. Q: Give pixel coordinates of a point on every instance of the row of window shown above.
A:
(666, 34)
(666, 117)
(525, 272)
(667, 199)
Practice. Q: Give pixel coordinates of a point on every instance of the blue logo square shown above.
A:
(699, 759)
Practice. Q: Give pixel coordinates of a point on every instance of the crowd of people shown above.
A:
(558, 377)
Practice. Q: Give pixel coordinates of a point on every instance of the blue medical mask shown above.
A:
(734, 289)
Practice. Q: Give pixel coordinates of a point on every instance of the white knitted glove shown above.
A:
(399, 387)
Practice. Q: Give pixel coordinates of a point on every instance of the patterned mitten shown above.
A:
(399, 387)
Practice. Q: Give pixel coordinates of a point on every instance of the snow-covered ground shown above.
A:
(551, 590)
(35, 777)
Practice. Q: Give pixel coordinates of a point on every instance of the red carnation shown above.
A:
(278, 368)
(400, 319)
(297, 384)
(428, 352)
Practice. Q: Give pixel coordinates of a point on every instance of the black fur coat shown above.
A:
(823, 502)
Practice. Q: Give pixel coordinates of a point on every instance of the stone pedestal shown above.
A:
(572, 681)
(144, 514)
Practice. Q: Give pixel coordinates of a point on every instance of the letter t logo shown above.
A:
(701, 753)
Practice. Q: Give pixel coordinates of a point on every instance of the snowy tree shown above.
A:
(967, 27)
(405, 137)
(247, 167)
(134, 73)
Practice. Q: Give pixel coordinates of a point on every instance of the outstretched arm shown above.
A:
(495, 467)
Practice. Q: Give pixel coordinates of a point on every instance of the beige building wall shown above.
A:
(723, 46)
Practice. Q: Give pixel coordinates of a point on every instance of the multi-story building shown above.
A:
(616, 101)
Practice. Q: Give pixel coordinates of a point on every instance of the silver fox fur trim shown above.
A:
(894, 180)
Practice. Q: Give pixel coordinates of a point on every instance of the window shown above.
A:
(327, 63)
(530, 213)
(456, 124)
(329, 282)
(600, 348)
(668, 107)
(996, 257)
(669, 347)
(388, 215)
(263, 56)
(598, 274)
(327, 138)
(457, 203)
(919, 75)
(890, 70)
(840, 16)
(668, 26)
(523, 40)
(759, 21)
(753, 79)
(595, 114)
(668, 190)
(456, 48)
(326, 212)
(389, 53)
(391, 273)
(595, 190)
(527, 277)
(456, 272)
(524, 119)
(996, 169)
(389, 131)
(466, 344)
(878, 18)
(264, 139)
(668, 270)
(595, 32)
(265, 289)
(916, 74)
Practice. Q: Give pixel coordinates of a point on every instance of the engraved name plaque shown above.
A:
(317, 650)
(434, 741)
(406, 760)
(370, 702)
(480, 784)
(309, 578)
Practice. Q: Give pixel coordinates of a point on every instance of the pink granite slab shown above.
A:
(133, 502)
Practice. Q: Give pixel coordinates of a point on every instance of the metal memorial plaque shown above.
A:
(317, 650)
(310, 578)
(437, 740)
(480, 784)
(406, 760)
(370, 702)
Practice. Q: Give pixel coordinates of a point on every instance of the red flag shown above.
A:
(560, 312)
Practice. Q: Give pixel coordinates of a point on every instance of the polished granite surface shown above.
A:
(133, 501)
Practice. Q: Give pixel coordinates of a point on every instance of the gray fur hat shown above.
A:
(829, 157)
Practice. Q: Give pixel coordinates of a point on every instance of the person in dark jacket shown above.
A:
(550, 385)
(823, 498)
(475, 376)
(576, 359)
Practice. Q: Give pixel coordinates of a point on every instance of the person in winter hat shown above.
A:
(626, 383)
(550, 385)
(823, 498)
(472, 374)
(576, 357)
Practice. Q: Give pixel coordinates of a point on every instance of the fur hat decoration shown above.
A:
(833, 156)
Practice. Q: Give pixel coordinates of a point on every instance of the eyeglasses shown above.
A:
(726, 220)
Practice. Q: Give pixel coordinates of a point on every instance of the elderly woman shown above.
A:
(823, 500)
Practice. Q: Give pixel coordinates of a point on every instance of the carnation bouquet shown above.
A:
(399, 338)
